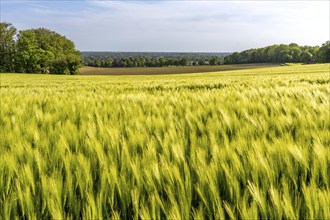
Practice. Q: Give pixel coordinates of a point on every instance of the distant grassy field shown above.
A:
(246, 144)
(168, 70)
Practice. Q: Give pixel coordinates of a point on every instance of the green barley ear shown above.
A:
(258, 197)
(276, 207)
(115, 216)
(198, 214)
(229, 210)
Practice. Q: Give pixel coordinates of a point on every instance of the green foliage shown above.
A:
(215, 61)
(7, 47)
(44, 51)
(38, 51)
(28, 53)
(248, 144)
(281, 53)
(144, 61)
(323, 55)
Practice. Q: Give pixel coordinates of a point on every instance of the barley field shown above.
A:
(244, 144)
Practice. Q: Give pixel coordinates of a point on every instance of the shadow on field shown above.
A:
(168, 70)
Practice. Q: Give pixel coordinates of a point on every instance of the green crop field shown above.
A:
(246, 144)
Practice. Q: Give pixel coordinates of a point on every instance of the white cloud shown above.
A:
(186, 25)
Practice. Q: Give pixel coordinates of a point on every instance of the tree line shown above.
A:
(44, 51)
(145, 61)
(37, 51)
(282, 53)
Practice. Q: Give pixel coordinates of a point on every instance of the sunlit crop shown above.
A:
(245, 144)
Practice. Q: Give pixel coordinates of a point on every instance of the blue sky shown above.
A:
(178, 26)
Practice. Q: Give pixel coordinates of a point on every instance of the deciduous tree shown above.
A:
(7, 47)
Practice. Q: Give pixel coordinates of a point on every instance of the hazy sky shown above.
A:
(178, 26)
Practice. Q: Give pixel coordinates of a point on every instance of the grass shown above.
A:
(168, 70)
(245, 144)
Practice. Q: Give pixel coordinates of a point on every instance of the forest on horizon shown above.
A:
(44, 51)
